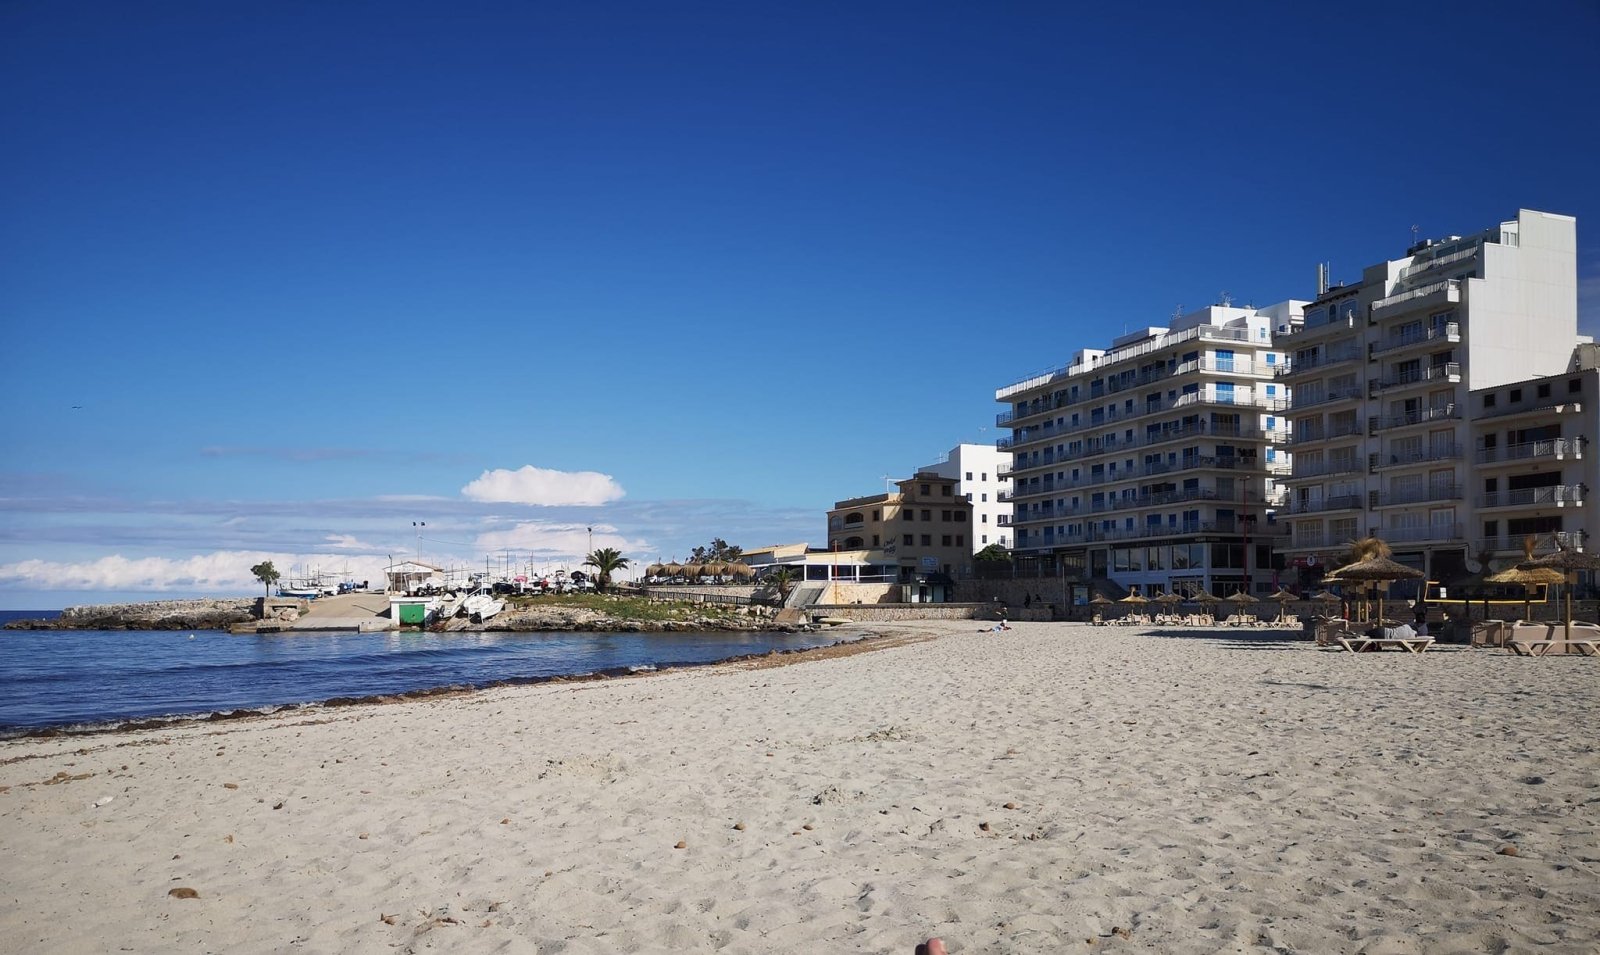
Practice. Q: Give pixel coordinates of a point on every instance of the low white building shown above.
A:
(981, 473)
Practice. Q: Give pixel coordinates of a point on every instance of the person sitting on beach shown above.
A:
(932, 946)
(1002, 625)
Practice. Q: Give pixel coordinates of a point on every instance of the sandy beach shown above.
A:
(1052, 788)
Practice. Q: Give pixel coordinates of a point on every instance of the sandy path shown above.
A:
(1054, 788)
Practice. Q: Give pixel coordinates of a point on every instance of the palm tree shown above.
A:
(267, 574)
(605, 561)
(783, 579)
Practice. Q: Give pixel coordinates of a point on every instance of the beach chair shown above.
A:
(1490, 633)
(1542, 640)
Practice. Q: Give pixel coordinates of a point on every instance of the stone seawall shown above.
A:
(862, 613)
(153, 615)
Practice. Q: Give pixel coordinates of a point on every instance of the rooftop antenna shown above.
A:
(1322, 277)
(886, 480)
(1177, 313)
(1224, 299)
(1414, 231)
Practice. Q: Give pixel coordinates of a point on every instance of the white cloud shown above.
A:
(349, 542)
(220, 572)
(543, 487)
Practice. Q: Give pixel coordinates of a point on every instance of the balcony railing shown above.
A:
(1558, 448)
(1298, 366)
(1299, 402)
(1440, 261)
(1101, 363)
(1558, 495)
(1413, 458)
(1545, 540)
(1447, 332)
(1450, 288)
(1412, 535)
(1424, 495)
(1423, 416)
(1449, 371)
(1339, 502)
(1090, 535)
(1325, 469)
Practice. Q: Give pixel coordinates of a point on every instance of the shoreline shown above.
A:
(856, 644)
(1044, 789)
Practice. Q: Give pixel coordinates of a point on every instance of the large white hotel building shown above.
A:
(1153, 462)
(1439, 403)
(1443, 403)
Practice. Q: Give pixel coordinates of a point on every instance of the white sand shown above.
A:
(1194, 794)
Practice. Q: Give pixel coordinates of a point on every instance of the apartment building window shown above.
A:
(1488, 400)
(985, 476)
(922, 489)
(874, 540)
(1515, 396)
(983, 518)
(1574, 386)
(961, 540)
(961, 517)
(927, 540)
(969, 475)
(875, 515)
(1491, 529)
(1543, 391)
(947, 490)
(944, 516)
(984, 497)
(910, 515)
(909, 539)
(927, 515)
(985, 539)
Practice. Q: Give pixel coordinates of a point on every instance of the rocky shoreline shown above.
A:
(153, 615)
(225, 614)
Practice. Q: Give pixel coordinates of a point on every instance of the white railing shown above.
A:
(1547, 448)
(1450, 285)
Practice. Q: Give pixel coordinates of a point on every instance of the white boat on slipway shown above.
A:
(481, 605)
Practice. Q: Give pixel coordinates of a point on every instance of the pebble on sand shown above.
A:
(1507, 850)
(183, 892)
(682, 844)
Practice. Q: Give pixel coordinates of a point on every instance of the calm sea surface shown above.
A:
(87, 678)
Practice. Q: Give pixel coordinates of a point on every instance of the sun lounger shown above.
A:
(1362, 643)
(1491, 633)
(1540, 640)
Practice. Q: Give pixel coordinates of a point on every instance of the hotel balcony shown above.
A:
(1340, 502)
(1550, 449)
(1450, 333)
(1323, 436)
(1426, 495)
(1432, 375)
(1427, 297)
(1305, 366)
(1434, 534)
(1304, 470)
(1301, 401)
(1545, 542)
(1189, 529)
(1558, 495)
(1411, 419)
(1377, 462)
(1104, 363)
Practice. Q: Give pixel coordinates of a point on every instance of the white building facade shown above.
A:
(1152, 463)
(977, 471)
(1381, 377)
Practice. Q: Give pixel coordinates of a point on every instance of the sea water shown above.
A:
(81, 679)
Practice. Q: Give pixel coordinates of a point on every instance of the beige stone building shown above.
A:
(920, 536)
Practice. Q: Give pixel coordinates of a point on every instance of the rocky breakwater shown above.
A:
(154, 615)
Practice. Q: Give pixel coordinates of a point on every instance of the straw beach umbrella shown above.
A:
(1528, 579)
(1568, 561)
(1374, 570)
(1283, 596)
(740, 570)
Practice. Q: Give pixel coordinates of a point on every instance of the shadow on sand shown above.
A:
(1243, 638)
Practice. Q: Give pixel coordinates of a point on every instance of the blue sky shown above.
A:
(279, 279)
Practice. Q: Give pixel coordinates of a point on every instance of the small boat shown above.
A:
(481, 605)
